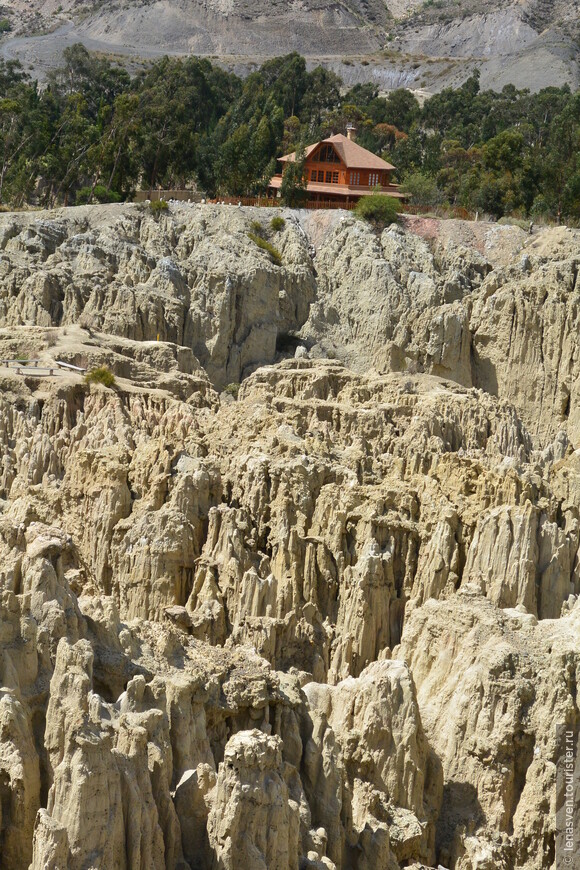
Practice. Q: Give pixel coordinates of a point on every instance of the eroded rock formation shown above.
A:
(326, 618)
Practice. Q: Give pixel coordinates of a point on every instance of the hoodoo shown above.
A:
(288, 555)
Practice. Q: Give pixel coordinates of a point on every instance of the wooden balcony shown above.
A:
(343, 191)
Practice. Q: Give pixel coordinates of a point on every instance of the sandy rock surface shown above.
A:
(300, 590)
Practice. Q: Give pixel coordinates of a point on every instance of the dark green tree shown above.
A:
(293, 190)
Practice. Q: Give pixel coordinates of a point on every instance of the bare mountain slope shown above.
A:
(531, 43)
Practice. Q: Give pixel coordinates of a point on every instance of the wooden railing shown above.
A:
(34, 367)
(266, 202)
(346, 206)
(21, 367)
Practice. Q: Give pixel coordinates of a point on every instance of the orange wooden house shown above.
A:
(339, 170)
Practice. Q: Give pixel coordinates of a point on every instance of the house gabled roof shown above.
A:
(351, 154)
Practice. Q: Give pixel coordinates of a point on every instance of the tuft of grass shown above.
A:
(257, 228)
(277, 223)
(275, 254)
(232, 390)
(514, 221)
(156, 206)
(101, 375)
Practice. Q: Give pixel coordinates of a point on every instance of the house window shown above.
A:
(328, 155)
(313, 175)
(328, 177)
(335, 177)
(320, 175)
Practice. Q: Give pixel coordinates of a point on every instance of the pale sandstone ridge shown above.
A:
(195, 280)
(328, 624)
(509, 679)
(483, 305)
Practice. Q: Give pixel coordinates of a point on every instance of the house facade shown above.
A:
(339, 170)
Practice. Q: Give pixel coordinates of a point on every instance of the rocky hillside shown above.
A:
(300, 590)
(401, 43)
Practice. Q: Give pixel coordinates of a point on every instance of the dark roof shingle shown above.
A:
(351, 154)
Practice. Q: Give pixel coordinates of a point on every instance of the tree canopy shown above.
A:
(95, 133)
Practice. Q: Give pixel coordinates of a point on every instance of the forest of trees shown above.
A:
(93, 133)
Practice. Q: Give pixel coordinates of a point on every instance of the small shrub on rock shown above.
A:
(277, 223)
(156, 206)
(101, 375)
(514, 221)
(378, 209)
(232, 390)
(275, 254)
(100, 193)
